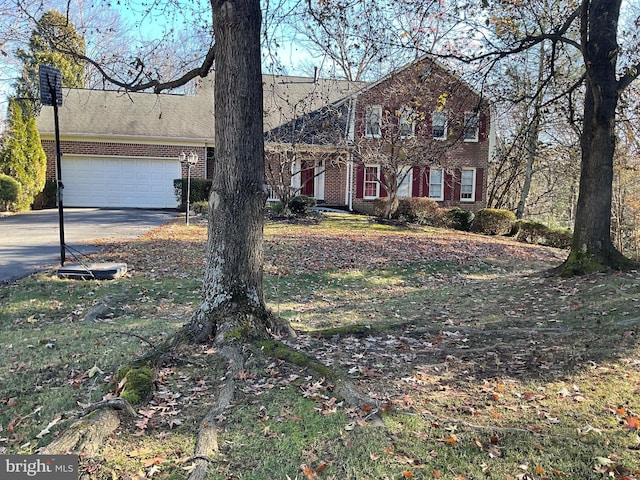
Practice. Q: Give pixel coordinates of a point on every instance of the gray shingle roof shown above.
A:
(103, 113)
(111, 113)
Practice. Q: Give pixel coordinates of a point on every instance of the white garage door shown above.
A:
(119, 182)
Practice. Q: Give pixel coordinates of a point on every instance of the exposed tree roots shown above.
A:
(207, 443)
(579, 263)
(87, 435)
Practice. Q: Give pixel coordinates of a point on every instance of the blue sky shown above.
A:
(143, 25)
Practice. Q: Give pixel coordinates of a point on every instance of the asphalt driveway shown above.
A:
(30, 242)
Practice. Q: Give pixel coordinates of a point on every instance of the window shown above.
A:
(406, 123)
(371, 184)
(405, 181)
(471, 124)
(373, 121)
(468, 185)
(436, 183)
(439, 125)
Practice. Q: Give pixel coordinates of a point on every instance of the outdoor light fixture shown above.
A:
(189, 160)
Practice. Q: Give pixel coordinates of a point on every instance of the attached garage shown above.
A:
(119, 182)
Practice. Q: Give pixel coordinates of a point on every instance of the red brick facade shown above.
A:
(99, 149)
(426, 88)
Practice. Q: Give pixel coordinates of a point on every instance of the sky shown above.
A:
(142, 25)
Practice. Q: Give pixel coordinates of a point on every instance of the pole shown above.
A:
(59, 177)
(188, 189)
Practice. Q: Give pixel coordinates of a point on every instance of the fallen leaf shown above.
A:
(93, 371)
(308, 471)
(407, 474)
(632, 423)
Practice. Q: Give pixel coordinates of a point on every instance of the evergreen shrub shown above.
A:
(10, 190)
(300, 205)
(420, 210)
(199, 192)
(200, 208)
(492, 221)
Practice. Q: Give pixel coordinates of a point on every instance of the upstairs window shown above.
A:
(406, 123)
(373, 121)
(471, 126)
(436, 184)
(468, 185)
(439, 124)
(371, 183)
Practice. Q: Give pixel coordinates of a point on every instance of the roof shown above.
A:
(112, 113)
(108, 113)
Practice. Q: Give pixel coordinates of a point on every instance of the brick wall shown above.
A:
(425, 87)
(123, 150)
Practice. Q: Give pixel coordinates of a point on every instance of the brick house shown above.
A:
(421, 132)
(324, 138)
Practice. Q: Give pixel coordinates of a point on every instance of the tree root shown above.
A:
(343, 387)
(87, 434)
(207, 443)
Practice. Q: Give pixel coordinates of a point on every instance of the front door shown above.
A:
(308, 181)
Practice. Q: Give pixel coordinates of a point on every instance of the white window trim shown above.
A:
(408, 180)
(406, 117)
(464, 130)
(446, 124)
(473, 185)
(377, 181)
(442, 181)
(368, 111)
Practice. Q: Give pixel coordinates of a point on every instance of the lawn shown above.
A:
(479, 363)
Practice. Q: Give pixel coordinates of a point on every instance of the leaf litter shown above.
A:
(499, 342)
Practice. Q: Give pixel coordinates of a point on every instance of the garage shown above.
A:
(119, 182)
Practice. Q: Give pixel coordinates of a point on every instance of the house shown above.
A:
(419, 131)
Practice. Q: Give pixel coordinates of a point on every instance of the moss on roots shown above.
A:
(138, 385)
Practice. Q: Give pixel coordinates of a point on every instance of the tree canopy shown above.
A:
(54, 41)
(23, 157)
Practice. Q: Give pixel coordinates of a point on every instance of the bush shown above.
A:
(458, 219)
(535, 232)
(9, 190)
(529, 231)
(491, 221)
(48, 197)
(275, 207)
(558, 238)
(199, 191)
(301, 205)
(379, 206)
(200, 208)
(420, 210)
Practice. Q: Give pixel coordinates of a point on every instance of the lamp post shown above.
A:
(189, 160)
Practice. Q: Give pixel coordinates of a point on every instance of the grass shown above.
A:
(484, 366)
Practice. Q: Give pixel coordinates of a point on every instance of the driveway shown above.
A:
(30, 242)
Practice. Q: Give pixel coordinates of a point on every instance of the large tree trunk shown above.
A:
(233, 302)
(592, 249)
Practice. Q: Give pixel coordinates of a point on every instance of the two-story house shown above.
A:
(419, 131)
